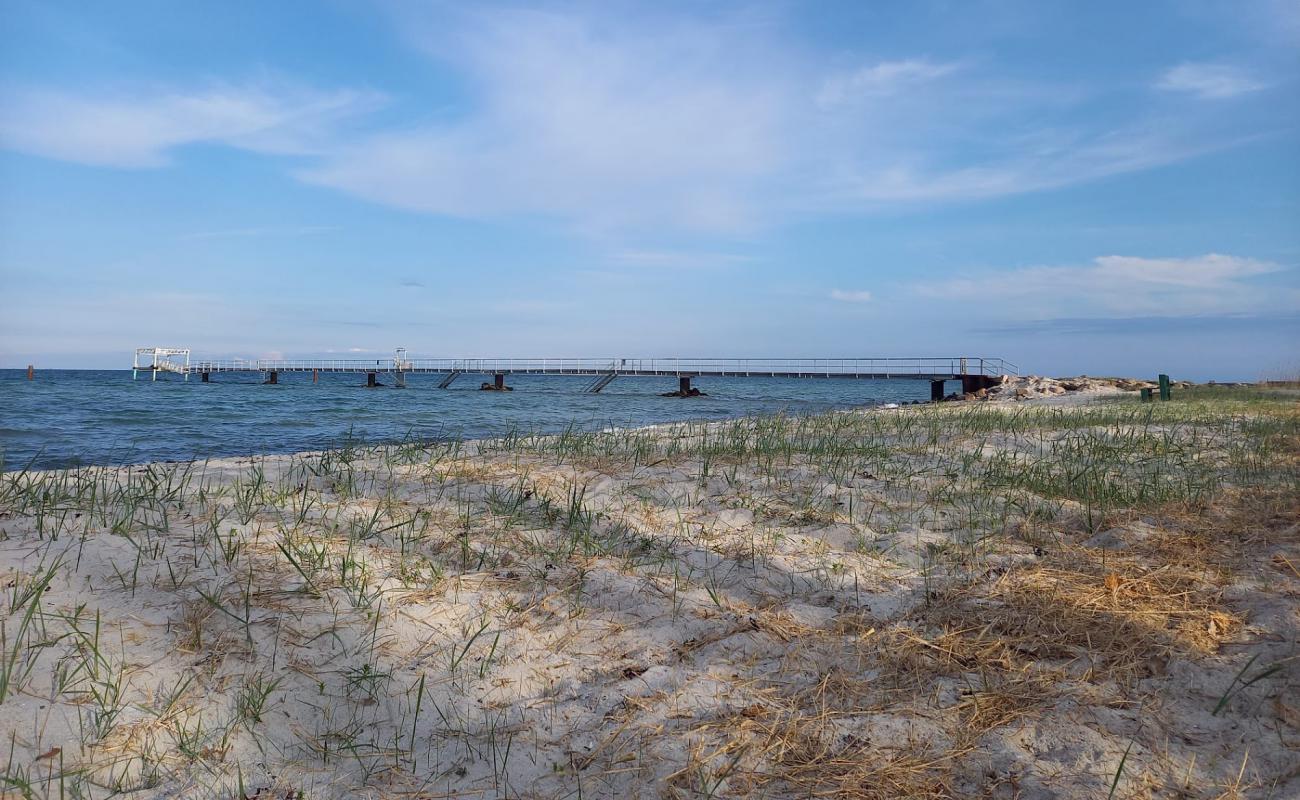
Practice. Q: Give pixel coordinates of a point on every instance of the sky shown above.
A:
(1101, 188)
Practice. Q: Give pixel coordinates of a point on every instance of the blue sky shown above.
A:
(1077, 187)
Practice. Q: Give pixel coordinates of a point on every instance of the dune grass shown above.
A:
(936, 601)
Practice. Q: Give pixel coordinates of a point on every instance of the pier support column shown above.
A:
(499, 382)
(273, 377)
(936, 391)
(371, 380)
(973, 383)
(31, 371)
(315, 376)
(684, 384)
(204, 376)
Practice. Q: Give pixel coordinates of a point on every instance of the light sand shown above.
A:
(495, 621)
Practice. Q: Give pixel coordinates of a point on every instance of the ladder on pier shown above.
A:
(602, 381)
(451, 376)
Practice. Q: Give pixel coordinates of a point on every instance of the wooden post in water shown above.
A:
(31, 372)
(315, 376)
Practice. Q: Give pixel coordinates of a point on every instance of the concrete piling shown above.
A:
(936, 391)
(499, 382)
(315, 376)
(684, 388)
(372, 380)
(273, 378)
(973, 383)
(204, 376)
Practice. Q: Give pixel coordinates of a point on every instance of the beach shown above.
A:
(1059, 594)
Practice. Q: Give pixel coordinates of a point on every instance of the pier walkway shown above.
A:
(974, 372)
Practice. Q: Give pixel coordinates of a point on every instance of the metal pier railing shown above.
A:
(718, 367)
(971, 369)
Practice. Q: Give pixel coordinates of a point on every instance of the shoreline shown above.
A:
(936, 599)
(1038, 396)
(134, 424)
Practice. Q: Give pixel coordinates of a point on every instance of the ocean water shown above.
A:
(70, 417)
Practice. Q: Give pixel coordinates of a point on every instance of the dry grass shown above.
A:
(933, 603)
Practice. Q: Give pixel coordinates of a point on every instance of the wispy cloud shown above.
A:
(850, 296)
(595, 121)
(644, 121)
(140, 127)
(881, 79)
(608, 122)
(1212, 284)
(1038, 161)
(1209, 81)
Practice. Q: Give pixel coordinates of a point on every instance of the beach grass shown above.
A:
(959, 599)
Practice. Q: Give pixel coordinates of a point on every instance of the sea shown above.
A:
(67, 418)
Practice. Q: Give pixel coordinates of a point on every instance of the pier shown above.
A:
(975, 373)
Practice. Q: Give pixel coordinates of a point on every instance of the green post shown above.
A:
(1146, 394)
(1164, 387)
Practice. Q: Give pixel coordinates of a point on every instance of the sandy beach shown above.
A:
(1077, 595)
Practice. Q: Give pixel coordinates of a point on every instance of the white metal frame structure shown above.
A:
(975, 372)
(700, 367)
(161, 359)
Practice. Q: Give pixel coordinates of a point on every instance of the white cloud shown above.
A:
(584, 123)
(139, 128)
(1125, 286)
(1209, 81)
(616, 123)
(882, 79)
(613, 122)
(1041, 160)
(850, 296)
